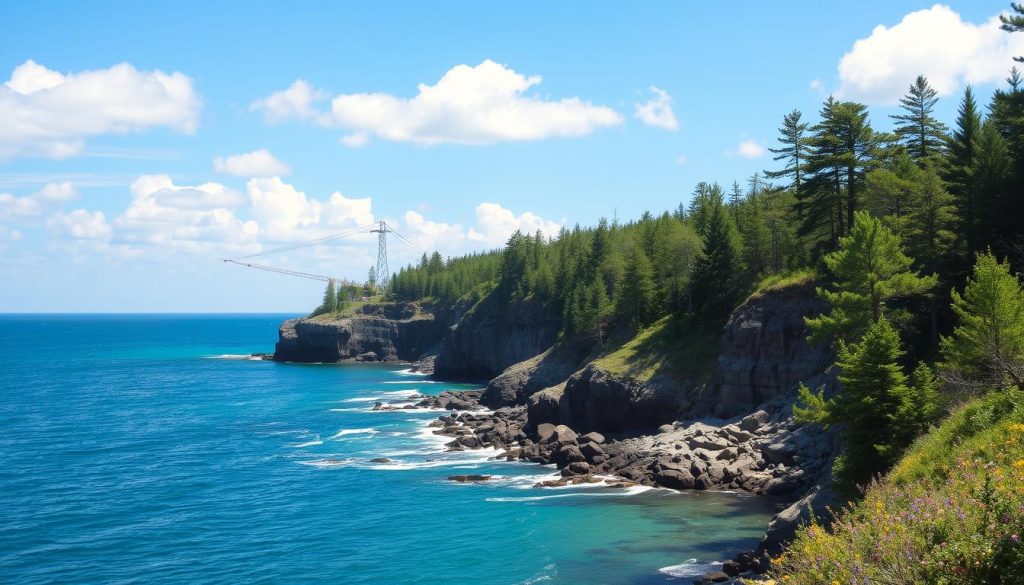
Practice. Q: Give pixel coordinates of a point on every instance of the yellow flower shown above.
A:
(1019, 464)
(1017, 428)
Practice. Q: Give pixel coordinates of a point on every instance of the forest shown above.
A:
(915, 239)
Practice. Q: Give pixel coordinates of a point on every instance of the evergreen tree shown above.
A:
(636, 304)
(960, 168)
(992, 184)
(1014, 22)
(868, 270)
(756, 237)
(843, 149)
(792, 152)
(880, 412)
(891, 192)
(918, 130)
(987, 345)
(930, 219)
(716, 285)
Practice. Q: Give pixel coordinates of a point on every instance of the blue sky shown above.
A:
(112, 199)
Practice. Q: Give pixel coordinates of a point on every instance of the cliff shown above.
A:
(376, 332)
(494, 335)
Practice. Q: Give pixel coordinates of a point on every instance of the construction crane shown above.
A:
(382, 274)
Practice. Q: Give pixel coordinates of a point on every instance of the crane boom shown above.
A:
(320, 277)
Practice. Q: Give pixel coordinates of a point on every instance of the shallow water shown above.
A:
(147, 449)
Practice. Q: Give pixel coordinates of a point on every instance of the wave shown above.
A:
(412, 382)
(327, 463)
(312, 443)
(690, 568)
(407, 465)
(409, 372)
(381, 396)
(232, 356)
(624, 492)
(345, 432)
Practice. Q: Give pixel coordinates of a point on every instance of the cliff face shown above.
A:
(765, 354)
(387, 332)
(493, 336)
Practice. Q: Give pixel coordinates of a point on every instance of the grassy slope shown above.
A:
(672, 345)
(951, 511)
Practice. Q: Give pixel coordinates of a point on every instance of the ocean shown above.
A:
(147, 449)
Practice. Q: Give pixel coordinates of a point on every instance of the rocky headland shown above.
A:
(727, 426)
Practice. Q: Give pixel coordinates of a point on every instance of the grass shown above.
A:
(774, 282)
(673, 345)
(950, 512)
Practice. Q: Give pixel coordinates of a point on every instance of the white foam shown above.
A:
(625, 492)
(327, 463)
(230, 356)
(345, 432)
(312, 443)
(412, 382)
(381, 396)
(409, 372)
(453, 463)
(689, 568)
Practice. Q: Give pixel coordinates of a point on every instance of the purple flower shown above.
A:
(1014, 538)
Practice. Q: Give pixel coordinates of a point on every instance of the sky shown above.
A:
(142, 142)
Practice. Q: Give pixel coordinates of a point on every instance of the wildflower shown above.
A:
(1019, 464)
(1014, 538)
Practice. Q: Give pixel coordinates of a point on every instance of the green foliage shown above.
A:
(951, 512)
(917, 128)
(717, 284)
(330, 303)
(681, 347)
(881, 413)
(793, 151)
(869, 269)
(987, 345)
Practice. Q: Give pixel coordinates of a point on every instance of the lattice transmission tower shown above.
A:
(382, 273)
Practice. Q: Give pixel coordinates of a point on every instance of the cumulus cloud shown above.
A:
(433, 235)
(258, 163)
(469, 105)
(298, 101)
(749, 149)
(356, 139)
(935, 42)
(286, 213)
(36, 203)
(495, 224)
(657, 112)
(81, 224)
(47, 113)
(195, 218)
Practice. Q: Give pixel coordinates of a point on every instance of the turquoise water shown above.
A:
(136, 449)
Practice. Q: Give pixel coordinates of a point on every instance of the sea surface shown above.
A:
(147, 449)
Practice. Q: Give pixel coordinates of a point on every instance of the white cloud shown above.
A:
(749, 149)
(935, 42)
(285, 213)
(47, 113)
(258, 163)
(295, 102)
(36, 203)
(682, 159)
(469, 105)
(197, 218)
(817, 86)
(657, 112)
(496, 224)
(433, 235)
(81, 225)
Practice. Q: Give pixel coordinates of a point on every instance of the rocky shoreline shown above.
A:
(757, 453)
(554, 402)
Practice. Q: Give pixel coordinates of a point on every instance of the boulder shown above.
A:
(714, 577)
(676, 479)
(576, 468)
(563, 434)
(592, 437)
(568, 454)
(468, 478)
(545, 432)
(752, 422)
(781, 452)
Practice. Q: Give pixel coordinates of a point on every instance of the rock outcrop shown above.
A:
(520, 381)
(597, 400)
(765, 354)
(492, 336)
(385, 332)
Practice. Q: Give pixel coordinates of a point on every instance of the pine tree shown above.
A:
(716, 285)
(880, 412)
(868, 270)
(959, 171)
(930, 219)
(792, 151)
(987, 346)
(636, 304)
(1014, 22)
(917, 129)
